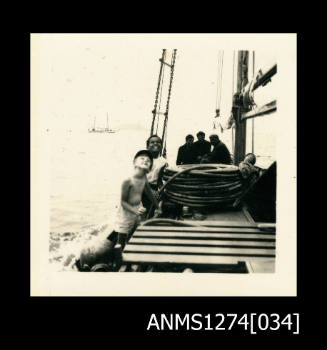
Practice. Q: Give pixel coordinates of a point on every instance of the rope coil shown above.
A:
(203, 186)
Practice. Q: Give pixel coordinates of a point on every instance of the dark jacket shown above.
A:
(201, 147)
(186, 155)
(220, 154)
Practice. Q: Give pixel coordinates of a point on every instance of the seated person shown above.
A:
(220, 153)
(247, 167)
(202, 146)
(186, 153)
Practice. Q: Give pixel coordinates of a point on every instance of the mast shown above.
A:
(238, 109)
(107, 122)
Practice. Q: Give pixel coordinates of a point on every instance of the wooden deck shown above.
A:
(233, 242)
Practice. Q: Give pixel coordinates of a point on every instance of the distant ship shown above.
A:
(102, 130)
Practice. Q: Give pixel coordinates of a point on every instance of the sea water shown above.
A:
(86, 172)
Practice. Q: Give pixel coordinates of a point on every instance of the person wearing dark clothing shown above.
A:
(186, 154)
(247, 168)
(201, 147)
(220, 153)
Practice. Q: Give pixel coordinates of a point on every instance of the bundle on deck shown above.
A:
(214, 185)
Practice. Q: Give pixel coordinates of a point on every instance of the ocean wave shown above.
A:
(65, 247)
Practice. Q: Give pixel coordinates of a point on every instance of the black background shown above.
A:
(92, 319)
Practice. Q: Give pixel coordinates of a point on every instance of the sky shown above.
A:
(82, 78)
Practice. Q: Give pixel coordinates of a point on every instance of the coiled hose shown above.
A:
(203, 185)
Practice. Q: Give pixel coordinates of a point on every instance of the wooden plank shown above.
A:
(261, 110)
(229, 216)
(247, 214)
(265, 76)
(199, 229)
(265, 266)
(224, 223)
(202, 250)
(249, 267)
(267, 227)
(187, 259)
(151, 240)
(205, 235)
(216, 223)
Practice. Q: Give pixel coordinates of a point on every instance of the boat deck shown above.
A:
(228, 241)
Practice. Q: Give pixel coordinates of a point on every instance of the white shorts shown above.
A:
(125, 220)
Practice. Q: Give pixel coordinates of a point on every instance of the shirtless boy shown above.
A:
(131, 207)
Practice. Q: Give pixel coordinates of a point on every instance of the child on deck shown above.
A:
(131, 207)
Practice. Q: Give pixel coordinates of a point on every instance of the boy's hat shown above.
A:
(147, 153)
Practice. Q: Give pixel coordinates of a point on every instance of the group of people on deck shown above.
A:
(139, 192)
(200, 151)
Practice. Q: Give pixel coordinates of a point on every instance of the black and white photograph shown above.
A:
(164, 162)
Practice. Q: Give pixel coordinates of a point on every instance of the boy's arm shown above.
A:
(149, 194)
(124, 197)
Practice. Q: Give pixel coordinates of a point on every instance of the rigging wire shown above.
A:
(219, 87)
(219, 79)
(160, 96)
(157, 91)
(164, 133)
(233, 83)
(253, 72)
(233, 79)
